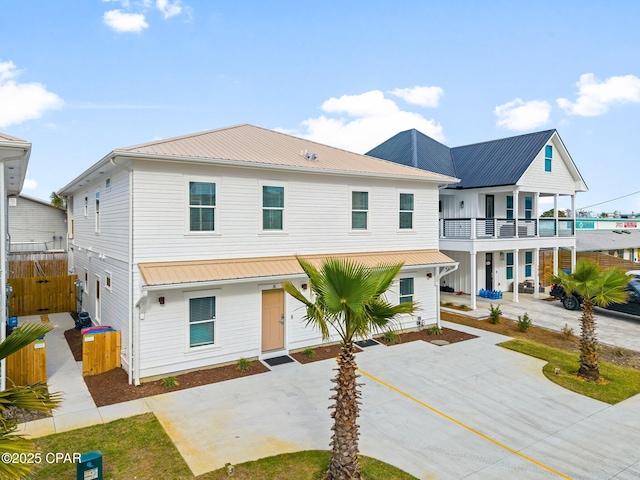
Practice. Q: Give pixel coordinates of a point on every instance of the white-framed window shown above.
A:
(528, 207)
(359, 210)
(202, 206)
(86, 206)
(107, 183)
(86, 279)
(201, 320)
(107, 280)
(97, 212)
(272, 208)
(406, 289)
(548, 158)
(406, 211)
(528, 264)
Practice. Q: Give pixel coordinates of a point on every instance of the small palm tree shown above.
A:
(35, 397)
(349, 299)
(600, 288)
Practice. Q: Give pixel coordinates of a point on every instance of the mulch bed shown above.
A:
(74, 339)
(113, 387)
(449, 335)
(321, 353)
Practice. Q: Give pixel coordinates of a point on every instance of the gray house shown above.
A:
(36, 226)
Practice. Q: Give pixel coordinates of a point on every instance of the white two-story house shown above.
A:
(182, 244)
(14, 158)
(489, 221)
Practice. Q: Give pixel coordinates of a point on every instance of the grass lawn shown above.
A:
(138, 447)
(617, 383)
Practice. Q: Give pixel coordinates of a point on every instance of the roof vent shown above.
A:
(309, 156)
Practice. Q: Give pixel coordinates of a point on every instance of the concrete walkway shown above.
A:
(465, 410)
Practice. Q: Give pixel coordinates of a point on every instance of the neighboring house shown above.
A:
(14, 156)
(489, 221)
(36, 225)
(183, 243)
(619, 237)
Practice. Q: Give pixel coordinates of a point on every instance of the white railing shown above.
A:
(483, 228)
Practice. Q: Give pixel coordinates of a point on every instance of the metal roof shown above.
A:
(251, 145)
(200, 271)
(492, 163)
(9, 138)
(595, 241)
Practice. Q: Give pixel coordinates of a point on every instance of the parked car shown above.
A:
(572, 302)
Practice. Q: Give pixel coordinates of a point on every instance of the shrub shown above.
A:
(169, 382)
(463, 306)
(448, 304)
(494, 316)
(524, 322)
(309, 352)
(391, 337)
(434, 330)
(567, 331)
(243, 365)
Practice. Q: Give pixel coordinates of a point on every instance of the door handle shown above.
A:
(282, 319)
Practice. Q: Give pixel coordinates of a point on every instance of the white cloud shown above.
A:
(169, 9)
(595, 96)
(369, 119)
(520, 115)
(125, 22)
(422, 96)
(29, 184)
(22, 101)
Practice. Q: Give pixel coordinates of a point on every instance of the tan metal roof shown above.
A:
(253, 145)
(9, 138)
(171, 273)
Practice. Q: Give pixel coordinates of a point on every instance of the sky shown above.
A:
(79, 79)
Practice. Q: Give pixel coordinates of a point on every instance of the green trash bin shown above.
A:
(90, 466)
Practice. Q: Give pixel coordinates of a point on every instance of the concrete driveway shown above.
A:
(466, 410)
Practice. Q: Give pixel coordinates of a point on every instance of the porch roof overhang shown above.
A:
(198, 273)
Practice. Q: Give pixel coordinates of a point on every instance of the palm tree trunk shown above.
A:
(344, 462)
(588, 344)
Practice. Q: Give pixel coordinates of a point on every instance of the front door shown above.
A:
(272, 319)
(488, 281)
(98, 301)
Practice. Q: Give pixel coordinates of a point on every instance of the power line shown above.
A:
(607, 201)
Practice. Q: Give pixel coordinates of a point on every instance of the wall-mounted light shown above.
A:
(462, 204)
(304, 286)
(429, 275)
(161, 300)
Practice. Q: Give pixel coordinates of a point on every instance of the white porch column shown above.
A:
(473, 267)
(555, 260)
(536, 202)
(536, 272)
(436, 284)
(555, 212)
(516, 277)
(473, 228)
(573, 259)
(573, 213)
(516, 212)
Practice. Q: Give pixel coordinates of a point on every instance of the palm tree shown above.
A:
(35, 397)
(349, 299)
(600, 288)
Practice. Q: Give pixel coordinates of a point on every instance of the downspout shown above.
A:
(439, 274)
(132, 347)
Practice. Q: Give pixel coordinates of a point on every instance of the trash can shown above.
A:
(90, 466)
(12, 324)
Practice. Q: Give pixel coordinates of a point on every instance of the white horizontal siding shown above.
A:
(559, 180)
(317, 215)
(33, 222)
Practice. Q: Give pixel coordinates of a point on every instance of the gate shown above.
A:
(28, 365)
(41, 295)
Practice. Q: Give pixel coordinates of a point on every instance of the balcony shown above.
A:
(487, 228)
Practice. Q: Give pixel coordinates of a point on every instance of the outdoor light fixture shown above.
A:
(304, 286)
(161, 300)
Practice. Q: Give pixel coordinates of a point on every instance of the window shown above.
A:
(272, 208)
(97, 212)
(548, 155)
(406, 290)
(528, 261)
(509, 206)
(406, 211)
(202, 206)
(107, 183)
(359, 207)
(509, 265)
(528, 207)
(86, 206)
(107, 280)
(202, 317)
(86, 277)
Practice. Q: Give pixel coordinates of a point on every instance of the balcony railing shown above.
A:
(483, 228)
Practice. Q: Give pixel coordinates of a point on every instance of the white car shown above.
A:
(635, 273)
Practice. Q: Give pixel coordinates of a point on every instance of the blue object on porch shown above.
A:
(482, 293)
(12, 322)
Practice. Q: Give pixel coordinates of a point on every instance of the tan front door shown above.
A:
(272, 319)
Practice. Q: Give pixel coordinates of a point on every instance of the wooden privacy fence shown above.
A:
(564, 262)
(28, 365)
(39, 295)
(100, 352)
(51, 264)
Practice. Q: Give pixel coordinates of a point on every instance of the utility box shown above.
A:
(90, 466)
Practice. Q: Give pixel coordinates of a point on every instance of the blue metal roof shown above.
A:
(492, 163)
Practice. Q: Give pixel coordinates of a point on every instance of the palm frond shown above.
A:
(23, 336)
